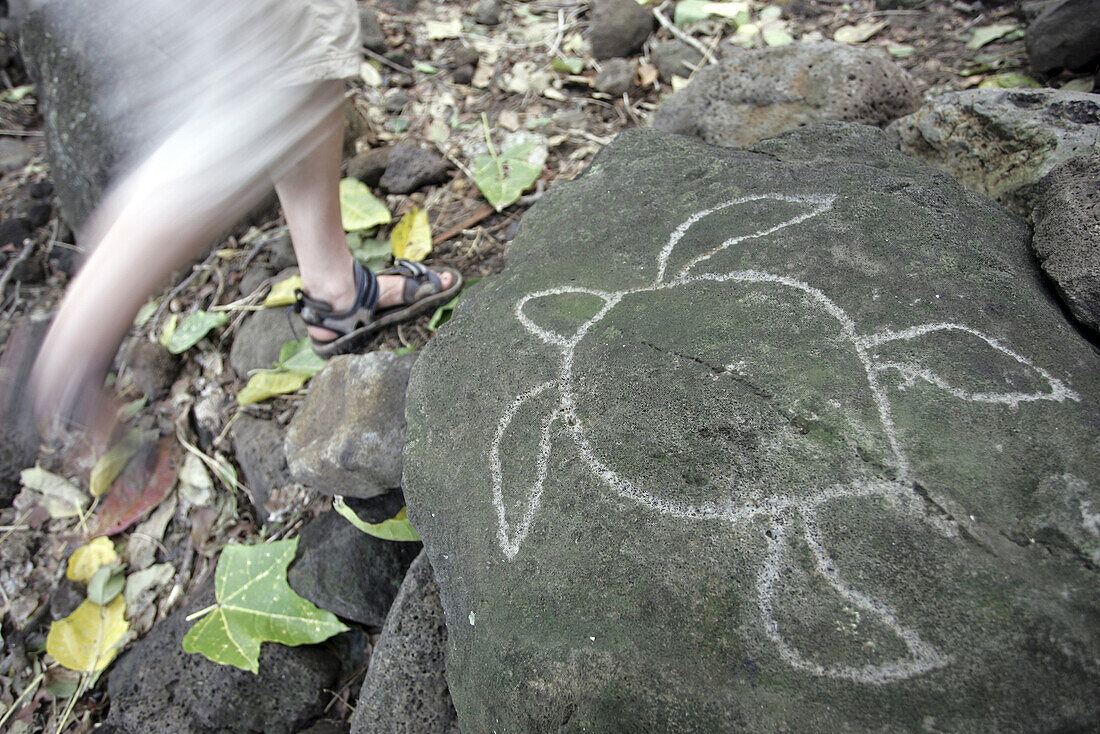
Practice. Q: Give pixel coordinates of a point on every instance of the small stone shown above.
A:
(400, 79)
(151, 368)
(400, 57)
(261, 336)
(463, 74)
(406, 689)
(348, 572)
(280, 252)
(369, 165)
(411, 168)
(395, 101)
(14, 154)
(672, 58)
(619, 28)
(254, 278)
(1066, 237)
(40, 190)
(487, 12)
(403, 6)
(616, 77)
(37, 213)
(258, 445)
(464, 55)
(348, 435)
(370, 30)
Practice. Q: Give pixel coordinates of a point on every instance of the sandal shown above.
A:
(423, 290)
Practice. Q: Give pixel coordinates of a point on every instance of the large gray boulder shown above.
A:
(1066, 34)
(760, 450)
(348, 435)
(405, 691)
(1002, 141)
(1066, 238)
(752, 95)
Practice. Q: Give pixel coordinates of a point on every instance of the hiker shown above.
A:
(230, 97)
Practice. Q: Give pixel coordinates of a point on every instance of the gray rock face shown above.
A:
(616, 77)
(348, 435)
(369, 165)
(756, 94)
(1002, 141)
(1066, 34)
(370, 30)
(1066, 236)
(157, 688)
(410, 168)
(753, 451)
(672, 58)
(619, 28)
(258, 447)
(347, 572)
(261, 336)
(405, 691)
(487, 12)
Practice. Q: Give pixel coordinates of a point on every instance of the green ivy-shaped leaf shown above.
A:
(359, 209)
(504, 177)
(255, 604)
(194, 328)
(396, 528)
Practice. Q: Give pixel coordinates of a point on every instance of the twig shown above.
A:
(383, 60)
(15, 704)
(195, 271)
(480, 214)
(28, 246)
(684, 37)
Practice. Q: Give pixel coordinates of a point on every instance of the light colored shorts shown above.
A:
(321, 38)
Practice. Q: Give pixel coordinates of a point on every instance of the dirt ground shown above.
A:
(411, 96)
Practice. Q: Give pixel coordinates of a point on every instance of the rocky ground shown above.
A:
(416, 119)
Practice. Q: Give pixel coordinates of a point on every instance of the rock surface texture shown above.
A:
(1002, 141)
(347, 436)
(405, 691)
(1066, 34)
(619, 28)
(761, 452)
(343, 570)
(157, 688)
(756, 94)
(258, 447)
(1066, 236)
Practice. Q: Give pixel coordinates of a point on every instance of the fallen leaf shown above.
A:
(370, 74)
(1084, 84)
(526, 77)
(284, 293)
(89, 558)
(443, 314)
(412, 237)
(396, 528)
(254, 605)
(678, 83)
(424, 68)
(439, 30)
(146, 312)
(196, 486)
(88, 639)
(483, 75)
(567, 64)
(110, 464)
(145, 538)
(142, 587)
(169, 329)
(988, 34)
(771, 13)
(503, 178)
(299, 357)
(194, 328)
(509, 120)
(853, 34)
(901, 50)
(1008, 80)
(438, 132)
(745, 35)
(647, 74)
(371, 252)
(106, 584)
(359, 209)
(776, 35)
(264, 385)
(143, 485)
(59, 496)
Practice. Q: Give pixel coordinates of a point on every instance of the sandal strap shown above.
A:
(320, 313)
(420, 280)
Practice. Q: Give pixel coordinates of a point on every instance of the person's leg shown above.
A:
(309, 194)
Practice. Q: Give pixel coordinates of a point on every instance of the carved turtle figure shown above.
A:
(720, 493)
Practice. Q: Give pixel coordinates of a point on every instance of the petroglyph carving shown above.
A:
(783, 514)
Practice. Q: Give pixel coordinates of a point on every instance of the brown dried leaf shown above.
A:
(143, 485)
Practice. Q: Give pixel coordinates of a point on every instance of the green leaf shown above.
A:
(443, 314)
(17, 94)
(397, 124)
(901, 50)
(396, 528)
(359, 209)
(298, 357)
(1008, 80)
(254, 605)
(776, 35)
(399, 351)
(284, 293)
(194, 328)
(502, 179)
(264, 385)
(105, 585)
(988, 34)
(425, 68)
(146, 312)
(568, 64)
(371, 252)
(853, 34)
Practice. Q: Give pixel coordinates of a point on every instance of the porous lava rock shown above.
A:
(405, 691)
(1066, 236)
(754, 94)
(1002, 141)
(758, 447)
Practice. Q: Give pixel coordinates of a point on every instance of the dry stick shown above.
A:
(28, 245)
(33, 686)
(480, 214)
(383, 60)
(684, 37)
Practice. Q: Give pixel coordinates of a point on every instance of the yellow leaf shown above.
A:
(267, 384)
(88, 639)
(412, 237)
(89, 558)
(282, 293)
(108, 466)
(169, 329)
